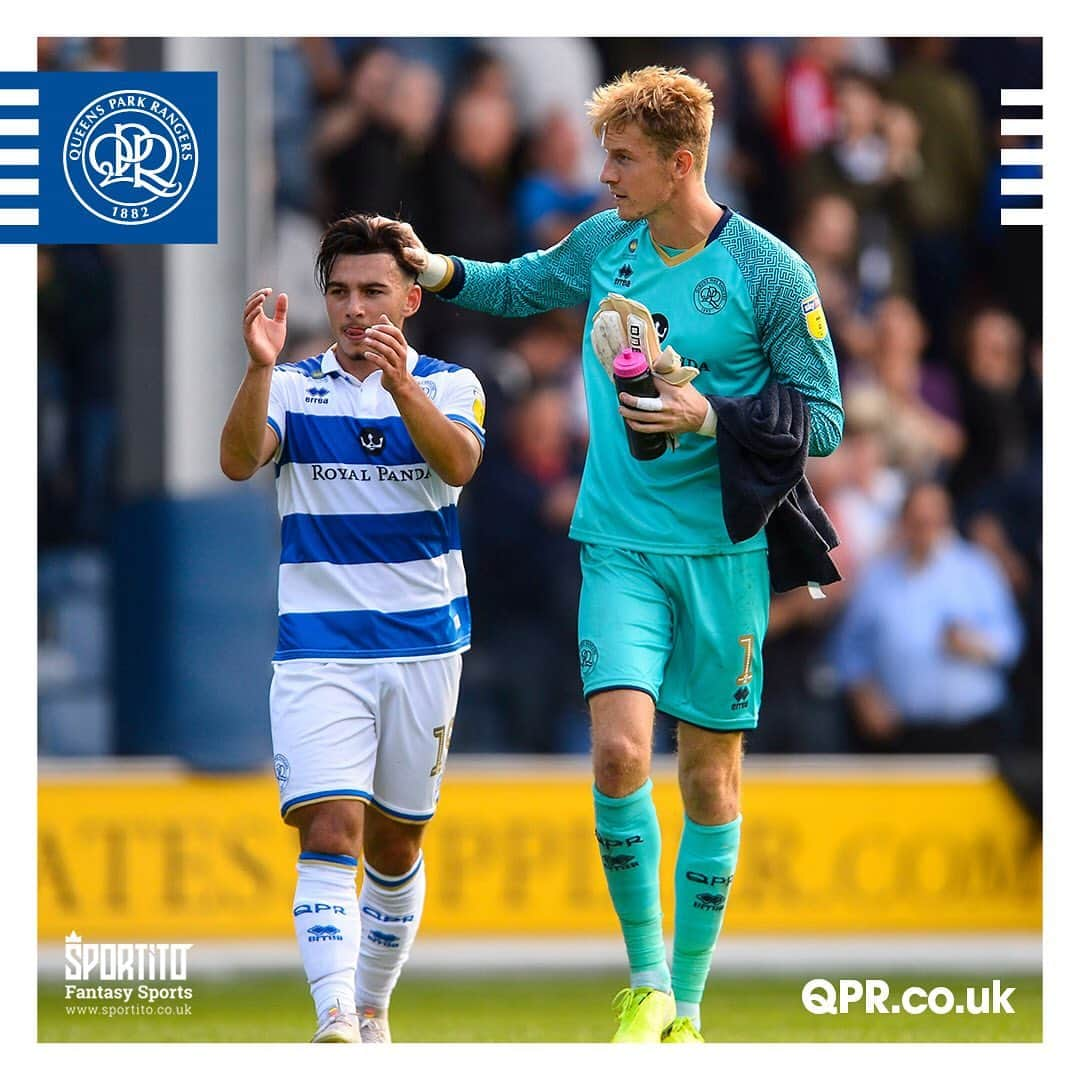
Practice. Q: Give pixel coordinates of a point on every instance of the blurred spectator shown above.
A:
(546, 75)
(926, 644)
(522, 686)
(807, 117)
(467, 209)
(800, 709)
(922, 436)
(993, 409)
(868, 161)
(103, 54)
(1007, 523)
(372, 142)
(942, 196)
(764, 175)
(544, 353)
(727, 165)
(551, 200)
(826, 235)
(867, 500)
(306, 71)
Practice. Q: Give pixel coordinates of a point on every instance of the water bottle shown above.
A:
(633, 376)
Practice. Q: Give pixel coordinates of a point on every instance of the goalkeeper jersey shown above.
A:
(741, 306)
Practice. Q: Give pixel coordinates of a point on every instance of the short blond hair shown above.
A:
(673, 109)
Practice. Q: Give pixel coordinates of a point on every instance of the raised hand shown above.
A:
(385, 346)
(264, 338)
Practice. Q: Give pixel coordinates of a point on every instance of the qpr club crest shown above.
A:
(130, 157)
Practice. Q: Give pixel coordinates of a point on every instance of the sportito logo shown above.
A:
(710, 296)
(130, 157)
(587, 653)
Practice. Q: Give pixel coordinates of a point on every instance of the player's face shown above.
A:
(639, 179)
(360, 289)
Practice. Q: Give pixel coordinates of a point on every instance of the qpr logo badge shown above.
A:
(130, 157)
(710, 296)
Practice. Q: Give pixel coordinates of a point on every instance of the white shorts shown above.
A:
(376, 732)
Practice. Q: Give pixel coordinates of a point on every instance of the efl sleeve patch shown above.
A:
(815, 318)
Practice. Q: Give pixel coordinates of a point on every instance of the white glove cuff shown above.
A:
(436, 275)
(708, 425)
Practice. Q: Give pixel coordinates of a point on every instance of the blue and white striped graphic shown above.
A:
(19, 161)
(371, 565)
(1022, 165)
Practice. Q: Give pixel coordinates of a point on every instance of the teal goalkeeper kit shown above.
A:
(743, 308)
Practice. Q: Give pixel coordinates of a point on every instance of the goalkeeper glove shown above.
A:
(621, 323)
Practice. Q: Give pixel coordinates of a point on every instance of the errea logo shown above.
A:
(318, 395)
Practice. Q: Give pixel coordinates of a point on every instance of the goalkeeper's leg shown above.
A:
(628, 834)
(709, 773)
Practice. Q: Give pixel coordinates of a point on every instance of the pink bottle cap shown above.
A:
(630, 363)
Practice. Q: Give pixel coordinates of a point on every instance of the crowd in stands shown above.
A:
(878, 160)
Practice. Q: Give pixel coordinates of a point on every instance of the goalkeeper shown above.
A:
(672, 612)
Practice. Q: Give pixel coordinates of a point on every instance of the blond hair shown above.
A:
(673, 109)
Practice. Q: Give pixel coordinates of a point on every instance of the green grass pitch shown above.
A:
(277, 1008)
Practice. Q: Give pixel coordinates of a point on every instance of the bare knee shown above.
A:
(710, 767)
(710, 794)
(391, 847)
(333, 828)
(622, 723)
(620, 764)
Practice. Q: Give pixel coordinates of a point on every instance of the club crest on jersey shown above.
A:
(282, 769)
(815, 318)
(587, 654)
(428, 387)
(373, 440)
(710, 296)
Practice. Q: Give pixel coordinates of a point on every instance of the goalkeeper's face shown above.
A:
(360, 289)
(640, 179)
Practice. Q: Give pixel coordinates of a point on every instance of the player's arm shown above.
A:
(247, 441)
(557, 277)
(796, 342)
(450, 448)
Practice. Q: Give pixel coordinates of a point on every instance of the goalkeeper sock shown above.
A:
(704, 869)
(327, 921)
(390, 909)
(629, 836)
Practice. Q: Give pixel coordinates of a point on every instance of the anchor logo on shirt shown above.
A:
(372, 440)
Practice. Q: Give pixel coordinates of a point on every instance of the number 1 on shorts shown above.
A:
(747, 643)
(440, 753)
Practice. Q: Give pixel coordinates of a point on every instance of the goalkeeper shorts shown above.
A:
(686, 629)
(375, 732)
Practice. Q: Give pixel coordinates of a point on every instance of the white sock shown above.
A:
(653, 978)
(326, 916)
(691, 1010)
(390, 909)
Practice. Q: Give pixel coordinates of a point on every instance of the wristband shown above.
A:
(436, 275)
(708, 425)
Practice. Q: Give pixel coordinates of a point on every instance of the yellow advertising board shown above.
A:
(168, 856)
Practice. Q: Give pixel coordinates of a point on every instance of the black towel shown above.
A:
(762, 442)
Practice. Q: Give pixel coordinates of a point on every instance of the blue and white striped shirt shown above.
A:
(371, 564)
